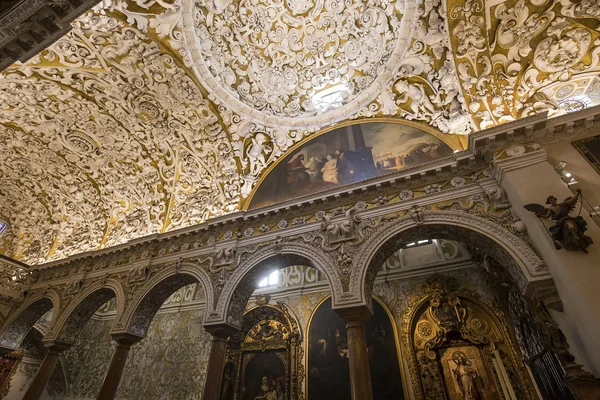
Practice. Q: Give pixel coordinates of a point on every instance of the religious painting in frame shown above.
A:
(590, 150)
(347, 155)
(264, 375)
(328, 376)
(466, 376)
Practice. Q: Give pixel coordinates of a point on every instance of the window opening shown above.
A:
(271, 280)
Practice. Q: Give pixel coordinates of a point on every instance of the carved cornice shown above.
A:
(29, 26)
(377, 197)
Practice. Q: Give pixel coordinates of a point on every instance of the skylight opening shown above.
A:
(418, 243)
(271, 280)
(330, 98)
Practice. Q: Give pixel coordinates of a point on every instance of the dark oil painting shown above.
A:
(348, 155)
(590, 150)
(328, 368)
(264, 375)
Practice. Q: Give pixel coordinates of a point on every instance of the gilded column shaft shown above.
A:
(360, 375)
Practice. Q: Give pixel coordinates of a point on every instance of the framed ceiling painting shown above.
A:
(590, 149)
(346, 155)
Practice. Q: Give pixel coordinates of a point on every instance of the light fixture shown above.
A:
(565, 175)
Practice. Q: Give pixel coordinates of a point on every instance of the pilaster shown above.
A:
(529, 178)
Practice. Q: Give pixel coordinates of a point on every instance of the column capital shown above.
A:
(127, 339)
(220, 331)
(354, 315)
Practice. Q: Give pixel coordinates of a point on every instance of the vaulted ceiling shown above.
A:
(144, 117)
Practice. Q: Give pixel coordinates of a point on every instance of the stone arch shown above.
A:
(514, 253)
(80, 310)
(147, 299)
(20, 321)
(239, 287)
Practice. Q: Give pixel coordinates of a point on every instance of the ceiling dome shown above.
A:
(296, 62)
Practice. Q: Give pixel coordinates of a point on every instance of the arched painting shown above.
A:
(328, 374)
(348, 155)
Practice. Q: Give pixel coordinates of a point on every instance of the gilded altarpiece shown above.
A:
(263, 359)
(459, 348)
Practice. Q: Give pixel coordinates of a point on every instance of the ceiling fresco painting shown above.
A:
(347, 155)
(151, 115)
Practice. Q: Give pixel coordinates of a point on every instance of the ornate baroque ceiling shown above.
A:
(152, 115)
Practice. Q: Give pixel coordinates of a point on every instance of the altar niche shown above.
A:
(262, 361)
(460, 348)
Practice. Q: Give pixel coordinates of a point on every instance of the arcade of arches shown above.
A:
(299, 200)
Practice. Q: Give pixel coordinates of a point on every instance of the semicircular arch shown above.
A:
(239, 287)
(147, 300)
(75, 315)
(511, 251)
(21, 320)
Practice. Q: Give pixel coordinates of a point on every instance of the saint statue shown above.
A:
(466, 377)
(567, 231)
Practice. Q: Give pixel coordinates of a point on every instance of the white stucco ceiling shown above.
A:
(152, 115)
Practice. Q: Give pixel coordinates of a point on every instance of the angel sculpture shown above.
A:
(567, 232)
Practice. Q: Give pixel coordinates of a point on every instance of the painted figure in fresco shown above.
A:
(568, 231)
(297, 174)
(313, 167)
(466, 376)
(268, 391)
(330, 170)
(227, 385)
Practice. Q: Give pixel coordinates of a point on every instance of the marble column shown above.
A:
(216, 360)
(117, 364)
(360, 374)
(36, 389)
(530, 179)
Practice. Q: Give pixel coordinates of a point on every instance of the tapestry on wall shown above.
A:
(328, 368)
(348, 155)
